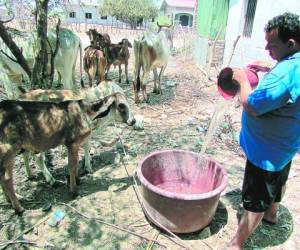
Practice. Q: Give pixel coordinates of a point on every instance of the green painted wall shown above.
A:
(211, 16)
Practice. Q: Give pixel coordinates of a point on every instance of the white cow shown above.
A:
(151, 52)
(64, 63)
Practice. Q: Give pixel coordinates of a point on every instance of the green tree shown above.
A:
(129, 11)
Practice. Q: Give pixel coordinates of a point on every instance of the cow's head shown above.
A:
(125, 43)
(112, 108)
(92, 33)
(103, 40)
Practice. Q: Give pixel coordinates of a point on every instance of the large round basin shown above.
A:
(181, 189)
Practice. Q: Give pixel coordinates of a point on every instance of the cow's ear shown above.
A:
(97, 106)
(102, 114)
(129, 45)
(103, 104)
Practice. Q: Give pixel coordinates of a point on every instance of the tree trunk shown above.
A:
(39, 74)
(14, 49)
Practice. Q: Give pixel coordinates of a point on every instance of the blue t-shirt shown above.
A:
(272, 138)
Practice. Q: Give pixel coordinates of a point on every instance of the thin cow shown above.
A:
(104, 89)
(151, 52)
(118, 54)
(37, 126)
(94, 64)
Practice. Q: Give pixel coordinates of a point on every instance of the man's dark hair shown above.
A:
(288, 25)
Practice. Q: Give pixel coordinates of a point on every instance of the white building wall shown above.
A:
(80, 15)
(172, 11)
(251, 49)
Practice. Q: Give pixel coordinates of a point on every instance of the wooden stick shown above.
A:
(154, 236)
(212, 54)
(11, 242)
(233, 49)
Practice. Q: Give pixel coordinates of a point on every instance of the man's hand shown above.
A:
(239, 75)
(261, 66)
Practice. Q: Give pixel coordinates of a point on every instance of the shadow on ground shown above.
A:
(74, 230)
(36, 193)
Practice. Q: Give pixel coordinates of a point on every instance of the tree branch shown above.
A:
(14, 49)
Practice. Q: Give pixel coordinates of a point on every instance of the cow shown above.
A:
(65, 59)
(94, 64)
(118, 54)
(59, 118)
(115, 54)
(151, 52)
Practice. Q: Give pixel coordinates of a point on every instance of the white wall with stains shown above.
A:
(253, 48)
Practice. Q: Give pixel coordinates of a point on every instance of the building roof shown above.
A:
(181, 3)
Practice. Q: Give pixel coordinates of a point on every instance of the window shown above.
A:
(72, 14)
(249, 18)
(104, 17)
(88, 15)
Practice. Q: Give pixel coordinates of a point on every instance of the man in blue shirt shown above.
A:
(270, 134)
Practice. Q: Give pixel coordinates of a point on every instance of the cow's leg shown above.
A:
(87, 158)
(73, 77)
(40, 160)
(136, 94)
(59, 78)
(91, 74)
(26, 157)
(72, 162)
(6, 180)
(143, 85)
(107, 70)
(159, 78)
(101, 69)
(126, 73)
(120, 73)
(155, 89)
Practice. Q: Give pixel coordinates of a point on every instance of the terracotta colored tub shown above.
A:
(181, 189)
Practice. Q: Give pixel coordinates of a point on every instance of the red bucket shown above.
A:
(228, 87)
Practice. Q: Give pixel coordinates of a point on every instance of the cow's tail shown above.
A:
(80, 55)
(138, 65)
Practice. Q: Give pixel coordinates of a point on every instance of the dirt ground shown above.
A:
(107, 202)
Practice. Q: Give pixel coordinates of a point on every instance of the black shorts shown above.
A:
(261, 188)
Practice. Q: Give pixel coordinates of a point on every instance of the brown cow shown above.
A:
(118, 54)
(94, 64)
(37, 126)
